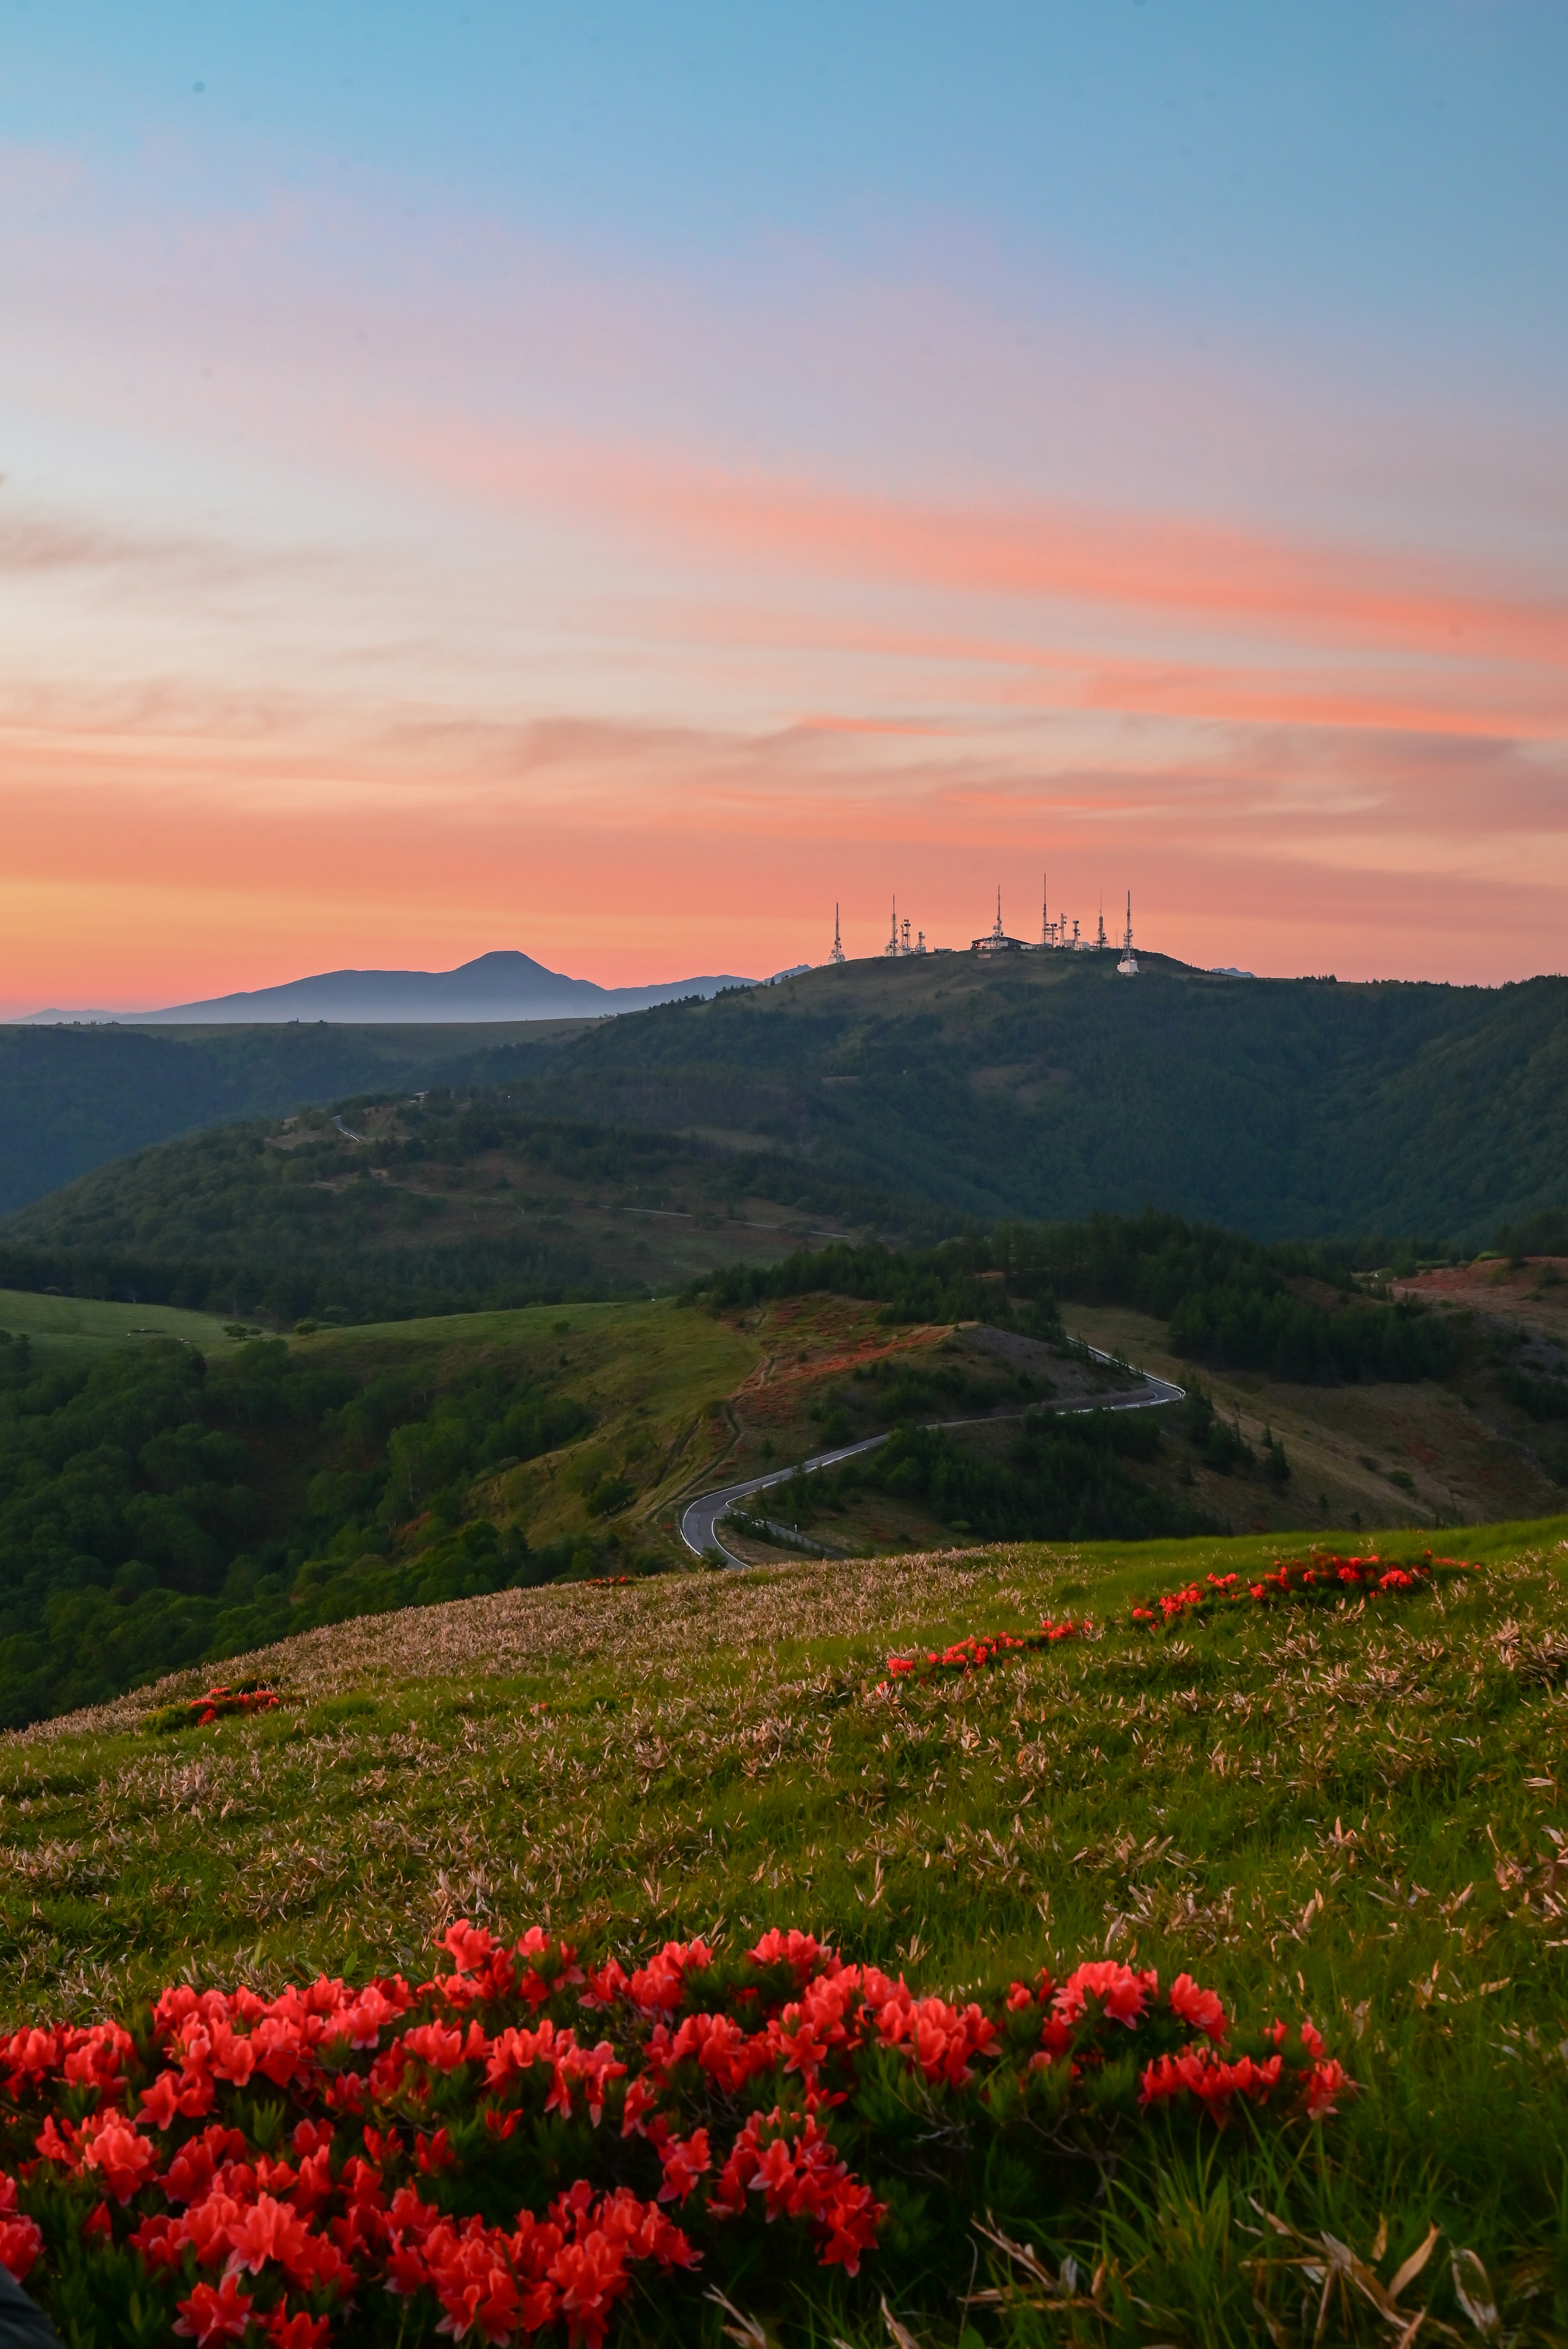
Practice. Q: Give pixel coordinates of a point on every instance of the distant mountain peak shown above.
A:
(504, 984)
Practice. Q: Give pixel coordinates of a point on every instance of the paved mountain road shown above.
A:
(699, 1519)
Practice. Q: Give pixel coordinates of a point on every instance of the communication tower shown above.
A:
(1128, 967)
(1099, 939)
(838, 953)
(892, 946)
(903, 935)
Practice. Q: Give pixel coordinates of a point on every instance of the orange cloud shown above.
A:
(1179, 571)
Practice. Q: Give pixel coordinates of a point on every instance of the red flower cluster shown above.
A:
(497, 2152)
(974, 1655)
(1320, 1577)
(1203, 2073)
(1085, 2015)
(216, 1705)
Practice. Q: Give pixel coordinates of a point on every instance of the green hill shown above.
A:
(158, 1508)
(72, 1098)
(438, 1204)
(947, 1087)
(1350, 1809)
(1047, 1086)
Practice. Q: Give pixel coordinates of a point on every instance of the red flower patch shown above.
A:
(218, 1703)
(970, 1654)
(495, 2155)
(1321, 1577)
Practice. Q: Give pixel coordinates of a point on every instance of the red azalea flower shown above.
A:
(1121, 1993)
(122, 2157)
(21, 2240)
(215, 2315)
(1201, 2008)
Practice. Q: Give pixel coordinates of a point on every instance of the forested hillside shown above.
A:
(156, 1508)
(922, 1093)
(435, 1205)
(73, 1098)
(1047, 1086)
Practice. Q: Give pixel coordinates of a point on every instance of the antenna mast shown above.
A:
(838, 953)
(1128, 967)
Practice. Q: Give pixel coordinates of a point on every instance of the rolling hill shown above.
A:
(1044, 1086)
(432, 1205)
(73, 1098)
(173, 1488)
(1037, 1086)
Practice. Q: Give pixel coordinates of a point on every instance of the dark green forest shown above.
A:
(73, 1098)
(1294, 1312)
(155, 1511)
(1060, 1479)
(379, 1231)
(1047, 1088)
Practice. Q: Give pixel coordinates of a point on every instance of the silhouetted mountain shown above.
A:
(502, 985)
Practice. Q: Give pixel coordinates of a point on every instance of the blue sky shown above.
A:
(1339, 169)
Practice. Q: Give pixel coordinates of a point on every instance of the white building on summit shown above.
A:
(996, 941)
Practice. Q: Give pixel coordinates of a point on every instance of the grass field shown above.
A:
(84, 1324)
(1358, 1811)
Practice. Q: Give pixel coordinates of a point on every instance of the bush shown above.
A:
(500, 2151)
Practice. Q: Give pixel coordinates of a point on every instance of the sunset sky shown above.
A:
(616, 480)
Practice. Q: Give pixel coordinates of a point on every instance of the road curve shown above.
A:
(699, 1519)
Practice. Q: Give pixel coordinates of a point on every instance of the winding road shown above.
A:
(699, 1519)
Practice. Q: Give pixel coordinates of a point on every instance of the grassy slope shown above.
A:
(1351, 1812)
(82, 1324)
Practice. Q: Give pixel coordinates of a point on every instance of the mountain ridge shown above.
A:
(504, 984)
